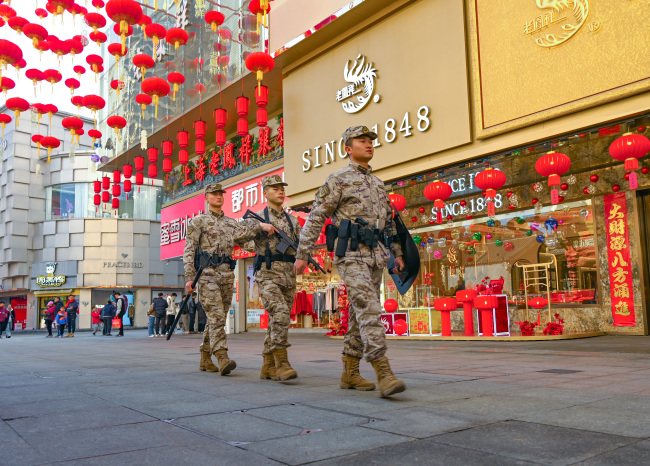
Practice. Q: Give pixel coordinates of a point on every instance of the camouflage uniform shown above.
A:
(277, 285)
(215, 287)
(349, 193)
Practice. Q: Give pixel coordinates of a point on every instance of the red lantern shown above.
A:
(18, 105)
(117, 190)
(242, 106)
(390, 305)
(167, 165)
(97, 199)
(152, 153)
(630, 148)
(553, 165)
(95, 62)
(261, 9)
(127, 187)
(167, 148)
(117, 123)
(214, 19)
(242, 127)
(98, 37)
(156, 33)
(139, 163)
(144, 62)
(97, 186)
(126, 13)
(106, 183)
(128, 170)
(199, 146)
(17, 23)
(52, 76)
(176, 79)
(4, 120)
(117, 176)
(397, 201)
(35, 32)
(75, 46)
(183, 138)
(220, 137)
(260, 62)
(6, 84)
(438, 192)
(220, 117)
(262, 117)
(94, 103)
(117, 86)
(115, 203)
(490, 180)
(176, 37)
(139, 178)
(36, 76)
(199, 129)
(73, 124)
(143, 100)
(72, 84)
(106, 196)
(95, 21)
(262, 96)
(117, 51)
(153, 171)
(10, 53)
(183, 156)
(156, 88)
(400, 326)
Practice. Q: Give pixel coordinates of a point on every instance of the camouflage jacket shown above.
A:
(349, 193)
(220, 234)
(281, 272)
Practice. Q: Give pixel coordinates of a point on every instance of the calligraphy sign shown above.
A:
(618, 257)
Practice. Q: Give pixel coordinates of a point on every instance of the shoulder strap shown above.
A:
(292, 232)
(266, 214)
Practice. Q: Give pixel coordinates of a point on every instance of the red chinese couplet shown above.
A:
(618, 257)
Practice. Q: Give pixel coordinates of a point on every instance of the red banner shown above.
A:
(618, 257)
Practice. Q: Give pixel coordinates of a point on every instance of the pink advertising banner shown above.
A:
(238, 198)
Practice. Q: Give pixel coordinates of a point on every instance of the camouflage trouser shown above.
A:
(366, 334)
(215, 294)
(278, 301)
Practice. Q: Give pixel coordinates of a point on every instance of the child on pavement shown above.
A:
(61, 321)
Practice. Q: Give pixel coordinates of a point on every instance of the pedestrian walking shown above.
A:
(160, 310)
(185, 317)
(131, 312)
(108, 313)
(357, 201)
(172, 310)
(72, 308)
(49, 316)
(11, 320)
(276, 277)
(214, 235)
(201, 317)
(96, 316)
(4, 317)
(191, 311)
(121, 305)
(61, 321)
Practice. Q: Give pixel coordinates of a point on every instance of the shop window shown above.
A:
(61, 202)
(464, 255)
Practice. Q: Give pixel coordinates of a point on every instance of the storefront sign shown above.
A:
(50, 280)
(618, 257)
(558, 21)
(247, 195)
(361, 77)
(123, 265)
(419, 321)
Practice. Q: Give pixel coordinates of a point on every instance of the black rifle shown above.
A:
(285, 241)
(204, 261)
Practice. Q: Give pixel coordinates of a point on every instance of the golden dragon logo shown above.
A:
(569, 15)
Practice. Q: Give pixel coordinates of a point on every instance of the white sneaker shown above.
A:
(151, 336)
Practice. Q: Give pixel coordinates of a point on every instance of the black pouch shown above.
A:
(331, 232)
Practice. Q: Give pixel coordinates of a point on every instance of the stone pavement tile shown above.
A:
(209, 453)
(278, 395)
(595, 419)
(633, 454)
(570, 396)
(534, 442)
(108, 440)
(238, 427)
(634, 403)
(362, 405)
(43, 407)
(322, 445)
(172, 409)
(308, 417)
(501, 407)
(15, 450)
(425, 452)
(424, 422)
(65, 420)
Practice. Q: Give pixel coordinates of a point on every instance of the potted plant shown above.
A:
(527, 328)
(555, 327)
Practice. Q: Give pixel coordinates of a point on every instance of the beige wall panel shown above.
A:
(406, 81)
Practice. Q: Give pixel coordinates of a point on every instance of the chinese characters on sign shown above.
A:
(618, 257)
(175, 230)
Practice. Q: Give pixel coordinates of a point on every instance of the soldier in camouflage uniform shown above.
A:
(350, 193)
(216, 234)
(277, 284)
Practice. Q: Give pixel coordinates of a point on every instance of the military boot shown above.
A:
(388, 384)
(268, 368)
(283, 370)
(206, 363)
(351, 378)
(225, 363)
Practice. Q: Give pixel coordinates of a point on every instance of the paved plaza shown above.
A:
(139, 400)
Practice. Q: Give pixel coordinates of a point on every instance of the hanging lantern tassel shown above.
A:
(155, 102)
(124, 30)
(175, 91)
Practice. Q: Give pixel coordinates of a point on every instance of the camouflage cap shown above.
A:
(357, 132)
(214, 188)
(272, 180)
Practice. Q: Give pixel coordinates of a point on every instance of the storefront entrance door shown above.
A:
(643, 198)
